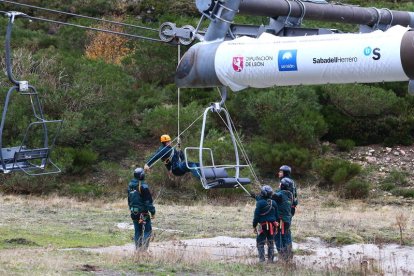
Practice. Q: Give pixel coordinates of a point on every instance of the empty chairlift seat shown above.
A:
(16, 158)
(218, 178)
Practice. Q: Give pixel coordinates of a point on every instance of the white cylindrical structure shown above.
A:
(338, 58)
(278, 61)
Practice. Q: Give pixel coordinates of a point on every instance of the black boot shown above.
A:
(260, 248)
(270, 251)
(289, 252)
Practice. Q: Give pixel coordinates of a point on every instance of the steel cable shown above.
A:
(78, 15)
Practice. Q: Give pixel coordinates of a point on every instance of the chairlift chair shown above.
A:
(30, 159)
(216, 176)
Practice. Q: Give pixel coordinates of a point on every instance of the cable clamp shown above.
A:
(23, 86)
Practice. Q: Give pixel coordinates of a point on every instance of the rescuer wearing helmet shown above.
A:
(173, 159)
(284, 199)
(286, 172)
(265, 223)
(142, 209)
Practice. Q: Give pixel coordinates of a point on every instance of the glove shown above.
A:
(146, 168)
(293, 210)
(254, 230)
(253, 195)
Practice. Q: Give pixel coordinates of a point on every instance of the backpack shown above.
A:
(134, 195)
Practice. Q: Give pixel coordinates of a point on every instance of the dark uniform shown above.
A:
(141, 206)
(285, 175)
(174, 161)
(284, 199)
(265, 221)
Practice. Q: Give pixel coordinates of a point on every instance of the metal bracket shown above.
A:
(14, 14)
(378, 25)
(169, 33)
(23, 86)
(290, 20)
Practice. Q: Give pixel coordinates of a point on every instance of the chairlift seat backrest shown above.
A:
(30, 154)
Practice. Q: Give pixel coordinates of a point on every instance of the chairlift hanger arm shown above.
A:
(30, 159)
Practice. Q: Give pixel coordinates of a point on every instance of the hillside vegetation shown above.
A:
(117, 96)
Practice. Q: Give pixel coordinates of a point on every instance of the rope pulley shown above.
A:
(171, 34)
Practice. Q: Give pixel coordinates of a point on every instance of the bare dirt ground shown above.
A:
(313, 253)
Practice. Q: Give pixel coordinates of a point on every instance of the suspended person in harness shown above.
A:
(142, 209)
(174, 160)
(265, 223)
(284, 199)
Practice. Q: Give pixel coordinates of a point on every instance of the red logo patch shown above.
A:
(238, 64)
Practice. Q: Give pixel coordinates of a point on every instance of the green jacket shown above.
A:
(266, 210)
(284, 201)
(139, 197)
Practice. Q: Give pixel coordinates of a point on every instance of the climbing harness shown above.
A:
(270, 226)
(270, 207)
(30, 156)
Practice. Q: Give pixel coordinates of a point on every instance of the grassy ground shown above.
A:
(33, 232)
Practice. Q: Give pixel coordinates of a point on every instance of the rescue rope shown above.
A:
(240, 145)
(244, 154)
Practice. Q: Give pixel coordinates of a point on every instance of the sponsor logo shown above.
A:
(367, 51)
(287, 60)
(335, 60)
(375, 53)
(238, 63)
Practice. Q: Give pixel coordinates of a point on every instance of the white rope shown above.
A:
(243, 150)
(240, 145)
(241, 186)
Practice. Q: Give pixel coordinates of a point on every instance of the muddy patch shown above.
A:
(313, 253)
(20, 241)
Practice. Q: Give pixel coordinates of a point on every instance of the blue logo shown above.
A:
(287, 60)
(367, 51)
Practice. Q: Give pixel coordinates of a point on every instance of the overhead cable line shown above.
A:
(170, 33)
(80, 16)
(93, 29)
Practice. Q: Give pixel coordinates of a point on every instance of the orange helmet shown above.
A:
(165, 138)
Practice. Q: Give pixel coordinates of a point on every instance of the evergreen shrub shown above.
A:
(335, 172)
(356, 189)
(268, 158)
(403, 192)
(345, 144)
(396, 178)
